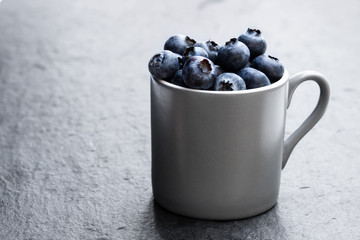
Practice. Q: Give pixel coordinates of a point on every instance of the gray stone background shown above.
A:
(75, 117)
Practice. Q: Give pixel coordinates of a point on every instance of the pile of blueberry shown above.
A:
(238, 65)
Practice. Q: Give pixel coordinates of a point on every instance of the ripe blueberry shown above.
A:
(233, 56)
(164, 64)
(253, 39)
(177, 79)
(269, 65)
(253, 78)
(219, 70)
(194, 51)
(178, 43)
(210, 47)
(199, 73)
(229, 82)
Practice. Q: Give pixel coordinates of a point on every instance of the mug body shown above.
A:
(217, 155)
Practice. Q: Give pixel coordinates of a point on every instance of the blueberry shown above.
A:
(253, 39)
(210, 47)
(219, 70)
(178, 43)
(164, 64)
(177, 79)
(194, 51)
(199, 73)
(233, 56)
(253, 78)
(269, 65)
(229, 82)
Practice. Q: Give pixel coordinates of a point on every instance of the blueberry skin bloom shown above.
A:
(194, 51)
(233, 56)
(229, 82)
(178, 43)
(210, 47)
(269, 65)
(253, 39)
(253, 78)
(164, 64)
(199, 73)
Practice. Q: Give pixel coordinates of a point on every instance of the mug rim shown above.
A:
(274, 85)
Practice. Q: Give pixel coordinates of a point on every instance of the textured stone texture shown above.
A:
(75, 119)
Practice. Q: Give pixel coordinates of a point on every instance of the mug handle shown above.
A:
(316, 114)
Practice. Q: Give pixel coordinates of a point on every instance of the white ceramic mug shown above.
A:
(219, 155)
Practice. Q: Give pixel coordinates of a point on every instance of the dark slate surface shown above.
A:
(75, 119)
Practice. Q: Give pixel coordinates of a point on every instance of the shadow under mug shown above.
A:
(219, 155)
